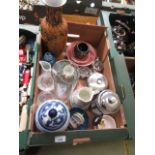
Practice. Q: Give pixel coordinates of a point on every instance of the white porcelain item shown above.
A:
(82, 97)
(97, 82)
(106, 122)
(54, 3)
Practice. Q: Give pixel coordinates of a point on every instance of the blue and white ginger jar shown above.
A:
(52, 115)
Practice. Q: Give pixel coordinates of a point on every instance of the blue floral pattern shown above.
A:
(55, 123)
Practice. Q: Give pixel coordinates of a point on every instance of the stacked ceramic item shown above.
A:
(81, 53)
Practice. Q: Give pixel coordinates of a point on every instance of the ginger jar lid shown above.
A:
(52, 115)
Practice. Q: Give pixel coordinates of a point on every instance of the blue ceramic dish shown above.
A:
(85, 116)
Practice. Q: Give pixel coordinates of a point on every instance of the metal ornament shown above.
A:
(97, 65)
(119, 31)
(124, 36)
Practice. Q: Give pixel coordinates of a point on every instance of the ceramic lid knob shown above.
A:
(52, 113)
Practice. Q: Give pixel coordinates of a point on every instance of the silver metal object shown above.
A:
(97, 82)
(107, 102)
(123, 24)
(119, 31)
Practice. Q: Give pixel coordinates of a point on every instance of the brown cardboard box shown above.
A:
(94, 35)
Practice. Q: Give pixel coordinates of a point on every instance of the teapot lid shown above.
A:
(97, 81)
(52, 115)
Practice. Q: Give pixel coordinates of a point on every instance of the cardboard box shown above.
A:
(95, 35)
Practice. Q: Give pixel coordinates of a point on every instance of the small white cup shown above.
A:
(85, 94)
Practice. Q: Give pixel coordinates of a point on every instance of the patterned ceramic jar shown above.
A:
(52, 115)
(107, 102)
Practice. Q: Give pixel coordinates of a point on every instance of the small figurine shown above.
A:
(49, 57)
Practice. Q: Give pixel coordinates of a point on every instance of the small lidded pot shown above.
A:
(107, 102)
(52, 115)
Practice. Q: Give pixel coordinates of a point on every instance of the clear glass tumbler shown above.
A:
(44, 96)
(65, 76)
